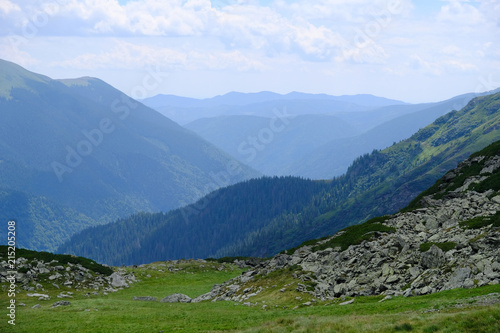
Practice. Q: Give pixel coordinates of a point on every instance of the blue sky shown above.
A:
(416, 51)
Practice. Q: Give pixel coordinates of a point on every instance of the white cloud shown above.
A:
(460, 12)
(437, 68)
(282, 38)
(126, 55)
(367, 52)
(10, 52)
(7, 7)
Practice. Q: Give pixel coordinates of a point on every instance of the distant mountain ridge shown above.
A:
(322, 142)
(82, 144)
(238, 98)
(333, 158)
(185, 110)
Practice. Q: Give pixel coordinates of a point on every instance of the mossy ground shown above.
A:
(117, 312)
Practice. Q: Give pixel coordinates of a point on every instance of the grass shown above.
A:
(346, 237)
(481, 221)
(356, 234)
(446, 246)
(117, 312)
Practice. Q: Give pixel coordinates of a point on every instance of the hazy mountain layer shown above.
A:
(315, 139)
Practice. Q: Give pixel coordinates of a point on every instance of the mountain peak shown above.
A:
(13, 76)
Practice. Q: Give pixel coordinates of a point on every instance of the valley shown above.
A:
(410, 231)
(250, 166)
(432, 267)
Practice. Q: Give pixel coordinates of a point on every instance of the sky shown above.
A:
(415, 51)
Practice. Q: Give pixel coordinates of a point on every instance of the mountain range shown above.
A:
(447, 238)
(320, 144)
(315, 136)
(184, 109)
(265, 216)
(79, 152)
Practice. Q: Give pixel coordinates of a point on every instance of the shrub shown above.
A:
(481, 221)
(446, 246)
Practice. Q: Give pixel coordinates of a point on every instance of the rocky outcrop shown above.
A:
(32, 274)
(432, 249)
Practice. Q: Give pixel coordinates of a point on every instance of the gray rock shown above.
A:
(145, 298)
(391, 279)
(458, 278)
(43, 270)
(386, 298)
(433, 258)
(36, 306)
(176, 298)
(37, 295)
(347, 302)
(61, 303)
(117, 280)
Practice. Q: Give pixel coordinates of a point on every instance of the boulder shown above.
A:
(117, 280)
(145, 298)
(458, 278)
(61, 303)
(433, 258)
(176, 298)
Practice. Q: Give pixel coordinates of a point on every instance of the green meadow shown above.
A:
(272, 310)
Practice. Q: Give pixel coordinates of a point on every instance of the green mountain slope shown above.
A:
(333, 158)
(447, 238)
(87, 146)
(41, 223)
(198, 230)
(385, 181)
(237, 224)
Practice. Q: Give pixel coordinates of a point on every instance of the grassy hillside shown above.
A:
(333, 158)
(462, 310)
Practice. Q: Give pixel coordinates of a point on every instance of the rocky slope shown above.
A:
(38, 271)
(449, 237)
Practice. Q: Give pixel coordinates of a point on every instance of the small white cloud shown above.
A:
(367, 52)
(436, 68)
(7, 7)
(10, 51)
(423, 66)
(125, 55)
(461, 13)
(458, 66)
